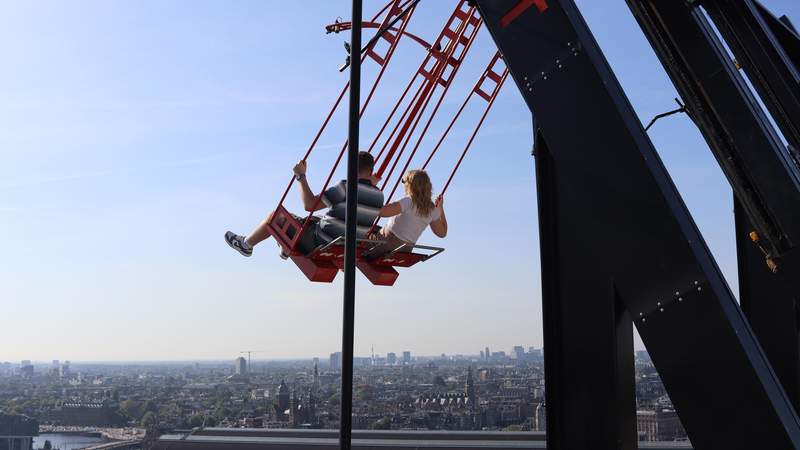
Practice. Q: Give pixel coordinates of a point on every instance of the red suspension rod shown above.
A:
(435, 75)
(435, 110)
(474, 133)
(389, 54)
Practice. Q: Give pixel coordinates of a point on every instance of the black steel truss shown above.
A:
(762, 171)
(619, 246)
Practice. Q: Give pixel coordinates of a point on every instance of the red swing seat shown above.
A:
(322, 263)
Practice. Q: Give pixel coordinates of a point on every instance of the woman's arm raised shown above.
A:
(439, 226)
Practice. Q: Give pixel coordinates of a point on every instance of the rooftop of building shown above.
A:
(258, 438)
(18, 426)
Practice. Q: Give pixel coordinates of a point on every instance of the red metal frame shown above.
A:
(288, 241)
(467, 44)
(489, 73)
(454, 63)
(444, 59)
(441, 54)
(457, 12)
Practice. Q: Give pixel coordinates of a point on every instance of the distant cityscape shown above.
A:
(490, 390)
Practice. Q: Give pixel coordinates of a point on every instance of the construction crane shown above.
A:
(250, 352)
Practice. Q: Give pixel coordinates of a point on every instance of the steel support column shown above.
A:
(618, 239)
(569, 319)
(757, 164)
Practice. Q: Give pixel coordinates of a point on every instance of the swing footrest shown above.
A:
(378, 275)
(316, 270)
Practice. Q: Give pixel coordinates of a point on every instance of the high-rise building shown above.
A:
(488, 354)
(336, 361)
(518, 352)
(391, 359)
(240, 366)
(64, 370)
(315, 385)
(483, 355)
(26, 369)
(406, 357)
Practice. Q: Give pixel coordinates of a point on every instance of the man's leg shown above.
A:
(260, 233)
(245, 244)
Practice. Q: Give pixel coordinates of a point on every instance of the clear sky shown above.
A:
(134, 134)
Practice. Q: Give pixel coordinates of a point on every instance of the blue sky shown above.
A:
(133, 134)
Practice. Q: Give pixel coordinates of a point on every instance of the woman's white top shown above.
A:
(409, 224)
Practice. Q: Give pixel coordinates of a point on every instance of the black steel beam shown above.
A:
(580, 334)
(759, 52)
(617, 238)
(744, 143)
(784, 30)
(771, 302)
(757, 164)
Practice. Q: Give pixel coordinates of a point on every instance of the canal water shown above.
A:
(64, 441)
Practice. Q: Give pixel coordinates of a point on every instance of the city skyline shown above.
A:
(133, 135)
(399, 354)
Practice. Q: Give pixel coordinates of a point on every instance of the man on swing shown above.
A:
(331, 225)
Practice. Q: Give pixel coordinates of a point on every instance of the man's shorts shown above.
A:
(310, 239)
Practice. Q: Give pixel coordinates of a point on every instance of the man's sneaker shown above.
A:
(237, 243)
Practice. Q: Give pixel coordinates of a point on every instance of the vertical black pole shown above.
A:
(348, 315)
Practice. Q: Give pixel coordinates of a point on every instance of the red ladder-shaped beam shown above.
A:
(457, 34)
(453, 64)
(489, 76)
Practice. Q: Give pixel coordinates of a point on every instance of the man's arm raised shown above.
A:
(311, 201)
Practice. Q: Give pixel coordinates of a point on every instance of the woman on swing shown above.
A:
(410, 216)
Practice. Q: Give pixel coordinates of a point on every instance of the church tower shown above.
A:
(283, 400)
(469, 389)
(315, 386)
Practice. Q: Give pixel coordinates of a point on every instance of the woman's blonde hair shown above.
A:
(418, 187)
